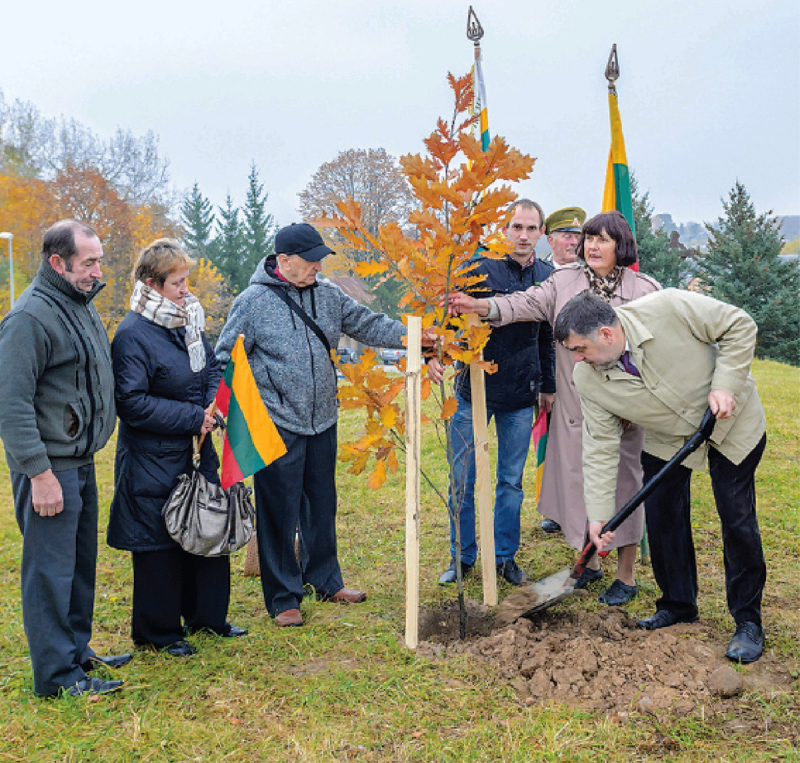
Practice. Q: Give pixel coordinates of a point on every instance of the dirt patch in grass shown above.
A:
(602, 662)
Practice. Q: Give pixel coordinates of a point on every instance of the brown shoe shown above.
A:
(347, 596)
(289, 618)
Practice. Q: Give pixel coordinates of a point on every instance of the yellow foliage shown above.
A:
(462, 200)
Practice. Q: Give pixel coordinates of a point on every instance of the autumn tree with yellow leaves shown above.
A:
(462, 200)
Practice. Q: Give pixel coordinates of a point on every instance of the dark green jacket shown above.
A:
(56, 383)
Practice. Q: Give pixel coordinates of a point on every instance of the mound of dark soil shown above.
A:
(601, 661)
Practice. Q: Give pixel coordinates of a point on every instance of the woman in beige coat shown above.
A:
(605, 250)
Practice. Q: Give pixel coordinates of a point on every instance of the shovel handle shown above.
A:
(690, 446)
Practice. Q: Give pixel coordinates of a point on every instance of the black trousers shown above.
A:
(173, 584)
(669, 529)
(297, 492)
(59, 556)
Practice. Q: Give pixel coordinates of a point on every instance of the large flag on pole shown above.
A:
(480, 109)
(617, 193)
(251, 439)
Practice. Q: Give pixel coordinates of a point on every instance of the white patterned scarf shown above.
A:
(156, 308)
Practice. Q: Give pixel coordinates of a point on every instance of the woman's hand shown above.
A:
(209, 424)
(462, 303)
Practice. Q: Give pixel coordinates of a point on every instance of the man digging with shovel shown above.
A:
(659, 362)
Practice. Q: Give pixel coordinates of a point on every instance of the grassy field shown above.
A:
(344, 687)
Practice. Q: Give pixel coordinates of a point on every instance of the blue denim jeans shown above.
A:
(513, 440)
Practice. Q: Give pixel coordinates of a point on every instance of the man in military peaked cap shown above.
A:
(563, 229)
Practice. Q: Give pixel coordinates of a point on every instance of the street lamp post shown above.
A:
(10, 237)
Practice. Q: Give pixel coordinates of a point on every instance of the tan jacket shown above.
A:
(684, 345)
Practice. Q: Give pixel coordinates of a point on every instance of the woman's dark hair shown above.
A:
(617, 227)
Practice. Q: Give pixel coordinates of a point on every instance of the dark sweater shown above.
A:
(56, 383)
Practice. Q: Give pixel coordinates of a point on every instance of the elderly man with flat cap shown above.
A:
(290, 319)
(563, 229)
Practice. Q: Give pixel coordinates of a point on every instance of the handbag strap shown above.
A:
(305, 317)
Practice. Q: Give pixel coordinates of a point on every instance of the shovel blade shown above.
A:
(552, 589)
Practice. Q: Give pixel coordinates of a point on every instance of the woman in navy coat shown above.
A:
(166, 377)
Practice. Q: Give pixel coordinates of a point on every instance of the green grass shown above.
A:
(344, 687)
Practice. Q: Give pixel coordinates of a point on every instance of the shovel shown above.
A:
(538, 596)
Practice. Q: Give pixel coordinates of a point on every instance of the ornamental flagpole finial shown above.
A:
(474, 28)
(612, 69)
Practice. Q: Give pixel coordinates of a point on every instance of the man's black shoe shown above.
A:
(449, 575)
(550, 526)
(588, 576)
(663, 618)
(180, 649)
(93, 686)
(509, 570)
(747, 643)
(232, 631)
(112, 661)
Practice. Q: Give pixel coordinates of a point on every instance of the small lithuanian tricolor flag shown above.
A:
(251, 439)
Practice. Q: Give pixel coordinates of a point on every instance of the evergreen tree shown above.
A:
(197, 220)
(656, 258)
(258, 229)
(742, 267)
(227, 249)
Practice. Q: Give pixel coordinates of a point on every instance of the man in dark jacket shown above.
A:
(57, 398)
(290, 320)
(525, 358)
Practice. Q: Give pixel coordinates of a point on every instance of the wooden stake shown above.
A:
(483, 487)
(413, 414)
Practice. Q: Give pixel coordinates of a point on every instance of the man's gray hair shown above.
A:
(583, 315)
(526, 204)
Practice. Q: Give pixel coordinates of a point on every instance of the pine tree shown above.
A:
(227, 249)
(656, 258)
(197, 220)
(742, 267)
(258, 229)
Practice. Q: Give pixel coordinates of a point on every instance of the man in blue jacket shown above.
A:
(57, 399)
(525, 358)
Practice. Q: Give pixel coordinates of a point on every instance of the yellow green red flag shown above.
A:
(480, 107)
(617, 193)
(252, 440)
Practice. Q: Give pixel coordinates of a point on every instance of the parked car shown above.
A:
(390, 357)
(347, 355)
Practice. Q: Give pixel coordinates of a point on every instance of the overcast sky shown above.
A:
(709, 90)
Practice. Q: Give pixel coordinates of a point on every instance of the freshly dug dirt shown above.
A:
(601, 661)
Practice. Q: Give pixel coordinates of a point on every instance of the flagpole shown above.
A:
(480, 433)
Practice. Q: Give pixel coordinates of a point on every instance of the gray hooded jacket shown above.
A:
(291, 366)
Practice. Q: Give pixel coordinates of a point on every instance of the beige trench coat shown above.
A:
(562, 484)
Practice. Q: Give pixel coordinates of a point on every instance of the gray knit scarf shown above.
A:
(156, 308)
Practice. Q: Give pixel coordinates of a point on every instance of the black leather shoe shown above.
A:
(663, 618)
(618, 593)
(93, 686)
(550, 526)
(510, 572)
(180, 649)
(230, 630)
(449, 575)
(588, 576)
(112, 661)
(747, 643)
